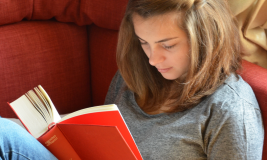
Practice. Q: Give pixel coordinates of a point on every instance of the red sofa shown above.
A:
(68, 46)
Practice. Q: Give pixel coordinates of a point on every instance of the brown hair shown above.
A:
(214, 54)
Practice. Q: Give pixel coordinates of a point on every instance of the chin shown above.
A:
(173, 76)
(170, 77)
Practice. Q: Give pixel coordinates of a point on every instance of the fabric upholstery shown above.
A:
(103, 13)
(102, 44)
(59, 48)
(256, 76)
(252, 19)
(49, 53)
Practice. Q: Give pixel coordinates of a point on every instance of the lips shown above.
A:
(164, 70)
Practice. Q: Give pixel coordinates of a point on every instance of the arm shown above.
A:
(235, 132)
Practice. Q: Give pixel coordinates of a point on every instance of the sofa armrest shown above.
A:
(256, 77)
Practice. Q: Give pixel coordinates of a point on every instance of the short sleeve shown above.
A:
(235, 132)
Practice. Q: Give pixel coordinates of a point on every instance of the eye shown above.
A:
(168, 47)
(142, 42)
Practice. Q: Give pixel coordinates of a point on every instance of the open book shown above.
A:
(92, 133)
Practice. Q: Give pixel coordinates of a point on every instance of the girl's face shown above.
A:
(165, 44)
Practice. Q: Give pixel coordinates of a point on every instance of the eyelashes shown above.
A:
(169, 47)
(164, 46)
(143, 43)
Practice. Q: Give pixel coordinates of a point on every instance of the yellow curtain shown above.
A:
(252, 20)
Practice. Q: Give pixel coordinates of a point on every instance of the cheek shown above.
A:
(146, 49)
(181, 58)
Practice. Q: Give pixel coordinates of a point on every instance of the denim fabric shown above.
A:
(17, 143)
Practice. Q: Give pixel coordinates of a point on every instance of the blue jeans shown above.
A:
(17, 143)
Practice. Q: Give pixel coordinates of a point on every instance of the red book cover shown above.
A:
(92, 133)
(97, 142)
(99, 135)
(55, 141)
(108, 118)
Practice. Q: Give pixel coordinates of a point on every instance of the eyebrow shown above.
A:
(163, 40)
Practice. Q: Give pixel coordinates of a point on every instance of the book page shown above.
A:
(29, 116)
(55, 115)
(36, 107)
(38, 104)
(45, 102)
(103, 108)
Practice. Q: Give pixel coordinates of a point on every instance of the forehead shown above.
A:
(160, 25)
(162, 18)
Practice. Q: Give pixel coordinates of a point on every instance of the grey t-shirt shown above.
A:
(225, 125)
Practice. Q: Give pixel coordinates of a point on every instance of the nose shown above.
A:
(156, 57)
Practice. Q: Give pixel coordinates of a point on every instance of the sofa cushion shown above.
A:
(102, 44)
(52, 54)
(104, 13)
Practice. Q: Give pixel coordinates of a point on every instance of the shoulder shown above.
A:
(117, 82)
(233, 102)
(117, 79)
(241, 89)
(233, 118)
(235, 94)
(117, 86)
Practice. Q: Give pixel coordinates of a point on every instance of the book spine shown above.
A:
(58, 145)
